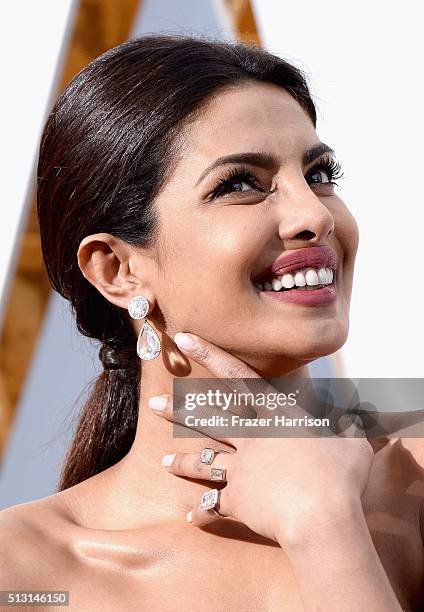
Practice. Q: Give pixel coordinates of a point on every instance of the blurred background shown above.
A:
(366, 77)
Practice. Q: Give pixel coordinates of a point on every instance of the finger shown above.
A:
(191, 466)
(201, 517)
(163, 406)
(216, 360)
(223, 366)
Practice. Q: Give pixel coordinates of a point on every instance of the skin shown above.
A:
(121, 538)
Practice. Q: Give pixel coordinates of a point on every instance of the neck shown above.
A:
(138, 489)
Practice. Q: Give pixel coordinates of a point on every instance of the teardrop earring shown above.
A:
(148, 343)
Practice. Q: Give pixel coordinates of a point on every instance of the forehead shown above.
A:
(246, 117)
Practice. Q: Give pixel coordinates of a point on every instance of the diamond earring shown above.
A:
(148, 343)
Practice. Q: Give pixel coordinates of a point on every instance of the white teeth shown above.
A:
(322, 276)
(307, 277)
(287, 281)
(299, 279)
(276, 284)
(312, 277)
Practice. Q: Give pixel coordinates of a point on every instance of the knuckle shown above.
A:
(197, 466)
(176, 464)
(235, 370)
(179, 462)
(202, 352)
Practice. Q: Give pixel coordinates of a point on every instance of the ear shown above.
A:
(111, 265)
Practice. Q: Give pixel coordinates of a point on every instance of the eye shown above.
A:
(330, 168)
(235, 180)
(320, 178)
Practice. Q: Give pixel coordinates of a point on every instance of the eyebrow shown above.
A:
(264, 160)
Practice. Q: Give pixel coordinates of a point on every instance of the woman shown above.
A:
(177, 178)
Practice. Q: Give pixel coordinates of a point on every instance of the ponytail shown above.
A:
(107, 425)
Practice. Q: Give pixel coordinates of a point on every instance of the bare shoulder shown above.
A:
(30, 542)
(18, 536)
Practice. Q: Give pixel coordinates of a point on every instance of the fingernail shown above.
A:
(184, 341)
(189, 517)
(157, 402)
(167, 460)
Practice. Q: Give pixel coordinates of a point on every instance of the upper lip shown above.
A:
(309, 257)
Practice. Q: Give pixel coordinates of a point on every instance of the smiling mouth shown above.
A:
(305, 279)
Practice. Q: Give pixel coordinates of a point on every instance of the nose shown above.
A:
(305, 218)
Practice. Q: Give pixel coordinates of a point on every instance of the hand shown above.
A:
(281, 488)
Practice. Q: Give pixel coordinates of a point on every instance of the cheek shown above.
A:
(206, 270)
(347, 233)
(220, 249)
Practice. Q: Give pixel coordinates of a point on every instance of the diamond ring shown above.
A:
(207, 455)
(218, 474)
(209, 501)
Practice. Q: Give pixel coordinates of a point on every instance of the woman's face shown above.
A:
(213, 245)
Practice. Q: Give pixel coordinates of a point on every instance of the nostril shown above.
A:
(305, 235)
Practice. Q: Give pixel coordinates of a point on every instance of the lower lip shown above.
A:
(307, 297)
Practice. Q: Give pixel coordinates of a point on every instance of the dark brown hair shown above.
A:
(106, 151)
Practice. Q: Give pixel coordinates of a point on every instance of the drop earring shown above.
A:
(148, 343)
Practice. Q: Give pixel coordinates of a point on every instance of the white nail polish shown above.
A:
(167, 460)
(157, 402)
(189, 516)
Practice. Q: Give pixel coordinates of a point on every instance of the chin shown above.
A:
(323, 344)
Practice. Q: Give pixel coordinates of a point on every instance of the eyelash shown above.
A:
(243, 174)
